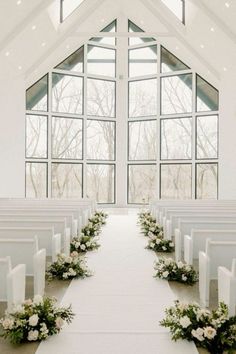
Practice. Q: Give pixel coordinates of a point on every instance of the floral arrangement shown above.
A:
(68, 267)
(100, 216)
(34, 320)
(83, 244)
(91, 229)
(146, 216)
(158, 244)
(167, 268)
(214, 331)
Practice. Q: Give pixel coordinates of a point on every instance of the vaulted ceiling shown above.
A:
(32, 40)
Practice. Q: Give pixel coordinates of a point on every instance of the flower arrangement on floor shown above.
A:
(160, 245)
(168, 269)
(213, 331)
(83, 244)
(146, 216)
(99, 217)
(34, 320)
(68, 267)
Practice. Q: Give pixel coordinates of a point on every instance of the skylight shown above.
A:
(67, 7)
(177, 7)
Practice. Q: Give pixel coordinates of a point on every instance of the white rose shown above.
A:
(164, 248)
(83, 247)
(43, 328)
(65, 275)
(152, 245)
(38, 299)
(209, 332)
(88, 244)
(59, 322)
(171, 244)
(158, 241)
(72, 272)
(185, 322)
(68, 260)
(33, 320)
(168, 261)
(180, 265)
(74, 254)
(33, 335)
(198, 333)
(165, 274)
(7, 323)
(77, 244)
(184, 278)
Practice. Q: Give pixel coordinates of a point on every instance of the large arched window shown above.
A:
(123, 121)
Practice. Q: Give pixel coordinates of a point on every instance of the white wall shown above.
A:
(12, 133)
(227, 143)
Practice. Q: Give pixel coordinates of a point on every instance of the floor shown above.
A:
(118, 309)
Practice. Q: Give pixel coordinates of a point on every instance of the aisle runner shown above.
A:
(118, 309)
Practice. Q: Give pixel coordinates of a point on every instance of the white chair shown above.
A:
(16, 286)
(227, 287)
(197, 240)
(5, 267)
(217, 254)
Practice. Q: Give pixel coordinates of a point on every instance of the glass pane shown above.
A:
(37, 95)
(207, 137)
(101, 61)
(207, 96)
(101, 98)
(136, 40)
(100, 140)
(176, 6)
(36, 136)
(75, 62)
(67, 138)
(107, 40)
(176, 94)
(68, 6)
(142, 183)
(142, 140)
(143, 98)
(207, 181)
(67, 94)
(176, 181)
(36, 180)
(169, 62)
(66, 180)
(176, 139)
(101, 182)
(143, 61)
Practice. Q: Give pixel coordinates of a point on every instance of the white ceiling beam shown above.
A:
(216, 19)
(122, 34)
(157, 9)
(24, 23)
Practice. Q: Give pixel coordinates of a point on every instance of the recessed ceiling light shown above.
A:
(102, 20)
(142, 22)
(18, 2)
(227, 4)
(212, 29)
(7, 54)
(224, 68)
(43, 44)
(33, 27)
(177, 48)
(67, 46)
(202, 46)
(20, 67)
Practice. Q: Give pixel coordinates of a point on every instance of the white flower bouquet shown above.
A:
(99, 217)
(158, 244)
(91, 229)
(68, 267)
(84, 244)
(213, 331)
(34, 320)
(168, 269)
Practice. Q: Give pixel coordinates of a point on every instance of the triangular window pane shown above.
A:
(169, 62)
(136, 40)
(75, 62)
(207, 96)
(107, 40)
(37, 95)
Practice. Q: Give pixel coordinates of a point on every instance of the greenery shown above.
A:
(161, 245)
(34, 320)
(149, 225)
(213, 331)
(68, 267)
(168, 269)
(83, 244)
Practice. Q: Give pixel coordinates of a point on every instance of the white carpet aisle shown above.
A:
(118, 309)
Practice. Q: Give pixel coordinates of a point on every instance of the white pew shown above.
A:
(46, 237)
(26, 251)
(5, 267)
(217, 253)
(170, 221)
(197, 240)
(185, 227)
(227, 287)
(15, 286)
